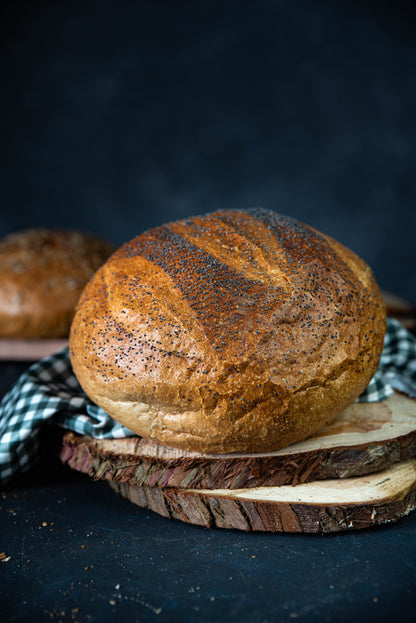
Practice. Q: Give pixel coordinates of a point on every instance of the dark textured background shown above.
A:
(117, 116)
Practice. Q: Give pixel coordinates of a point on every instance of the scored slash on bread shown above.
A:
(234, 338)
(13, 349)
(240, 330)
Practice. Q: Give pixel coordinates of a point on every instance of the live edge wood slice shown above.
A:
(29, 350)
(315, 507)
(365, 438)
(358, 472)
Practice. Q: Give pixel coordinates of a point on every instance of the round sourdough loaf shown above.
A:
(235, 331)
(42, 274)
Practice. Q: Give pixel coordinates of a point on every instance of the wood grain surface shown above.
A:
(365, 438)
(29, 350)
(325, 506)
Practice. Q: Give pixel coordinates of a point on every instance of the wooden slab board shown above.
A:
(365, 438)
(325, 506)
(402, 310)
(29, 350)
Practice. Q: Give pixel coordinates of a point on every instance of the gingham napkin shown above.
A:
(48, 392)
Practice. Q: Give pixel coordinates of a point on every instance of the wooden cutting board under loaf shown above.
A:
(358, 472)
(323, 506)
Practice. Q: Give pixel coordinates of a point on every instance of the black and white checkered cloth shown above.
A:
(48, 392)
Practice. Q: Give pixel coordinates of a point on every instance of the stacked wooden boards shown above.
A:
(358, 472)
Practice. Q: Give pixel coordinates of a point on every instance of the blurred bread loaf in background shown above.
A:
(42, 274)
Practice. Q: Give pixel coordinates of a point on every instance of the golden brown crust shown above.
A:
(234, 331)
(42, 274)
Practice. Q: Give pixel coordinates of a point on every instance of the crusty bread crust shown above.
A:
(42, 274)
(236, 331)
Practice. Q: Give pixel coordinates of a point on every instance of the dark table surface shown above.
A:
(79, 552)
